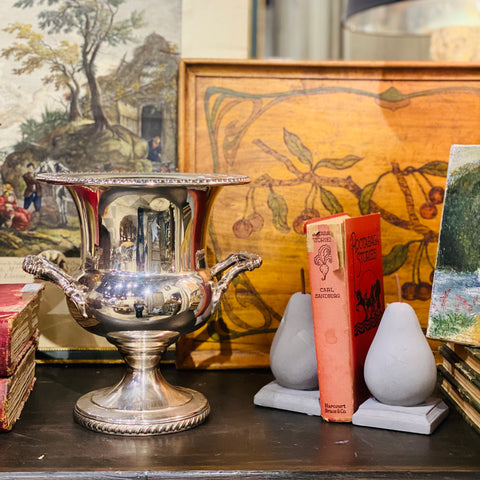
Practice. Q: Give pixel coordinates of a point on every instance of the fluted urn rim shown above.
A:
(173, 179)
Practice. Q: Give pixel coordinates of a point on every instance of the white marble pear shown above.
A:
(292, 355)
(400, 367)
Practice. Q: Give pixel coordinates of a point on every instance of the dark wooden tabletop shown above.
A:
(238, 440)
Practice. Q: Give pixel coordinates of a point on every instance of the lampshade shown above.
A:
(356, 6)
(408, 17)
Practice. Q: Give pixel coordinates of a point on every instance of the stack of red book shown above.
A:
(19, 305)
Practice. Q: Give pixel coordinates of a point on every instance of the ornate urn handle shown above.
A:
(239, 262)
(42, 269)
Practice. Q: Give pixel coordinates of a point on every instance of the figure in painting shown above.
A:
(33, 190)
(155, 151)
(11, 215)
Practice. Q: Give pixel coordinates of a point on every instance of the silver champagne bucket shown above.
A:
(143, 282)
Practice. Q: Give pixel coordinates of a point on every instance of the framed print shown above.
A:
(318, 139)
(85, 86)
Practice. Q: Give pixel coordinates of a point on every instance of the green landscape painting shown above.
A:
(455, 306)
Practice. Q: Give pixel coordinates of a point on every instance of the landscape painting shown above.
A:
(455, 306)
(85, 86)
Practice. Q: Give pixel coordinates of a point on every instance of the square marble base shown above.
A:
(274, 395)
(423, 418)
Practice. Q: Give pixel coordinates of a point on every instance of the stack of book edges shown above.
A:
(459, 380)
(19, 305)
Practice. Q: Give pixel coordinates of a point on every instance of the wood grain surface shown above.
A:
(315, 139)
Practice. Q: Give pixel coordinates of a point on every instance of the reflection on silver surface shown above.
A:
(144, 278)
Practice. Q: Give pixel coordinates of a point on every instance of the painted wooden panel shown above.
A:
(318, 138)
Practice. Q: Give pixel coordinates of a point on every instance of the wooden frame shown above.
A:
(317, 138)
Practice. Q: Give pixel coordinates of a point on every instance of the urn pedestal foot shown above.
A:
(143, 402)
(171, 419)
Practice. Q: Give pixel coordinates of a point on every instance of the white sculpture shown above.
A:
(292, 354)
(400, 367)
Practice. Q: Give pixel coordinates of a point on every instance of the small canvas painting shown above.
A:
(455, 306)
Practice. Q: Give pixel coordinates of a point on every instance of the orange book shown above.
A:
(346, 280)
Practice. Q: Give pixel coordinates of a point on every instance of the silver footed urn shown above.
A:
(143, 282)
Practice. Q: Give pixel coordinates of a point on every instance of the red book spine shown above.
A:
(19, 305)
(4, 386)
(363, 253)
(15, 389)
(347, 301)
(6, 361)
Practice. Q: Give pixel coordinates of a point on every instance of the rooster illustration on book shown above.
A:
(371, 305)
(324, 256)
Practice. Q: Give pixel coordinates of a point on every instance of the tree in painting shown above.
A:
(95, 22)
(32, 52)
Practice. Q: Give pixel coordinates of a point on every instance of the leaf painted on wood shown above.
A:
(338, 163)
(437, 168)
(365, 197)
(330, 202)
(297, 148)
(279, 208)
(394, 259)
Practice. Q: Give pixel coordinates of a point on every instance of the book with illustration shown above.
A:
(346, 280)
